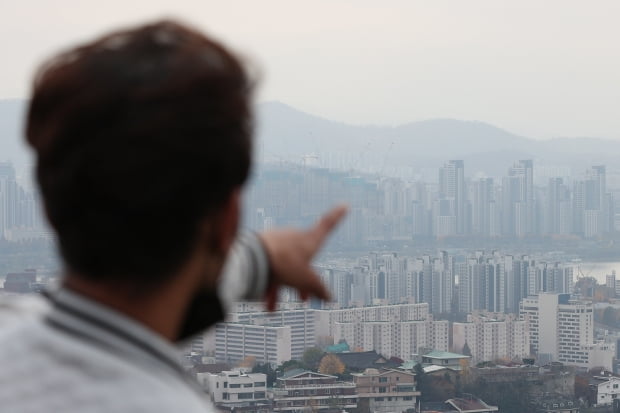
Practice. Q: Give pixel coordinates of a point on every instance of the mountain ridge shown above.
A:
(285, 132)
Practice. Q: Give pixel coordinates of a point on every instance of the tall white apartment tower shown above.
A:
(561, 329)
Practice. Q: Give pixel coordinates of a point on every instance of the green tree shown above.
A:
(266, 369)
(312, 357)
(466, 350)
(292, 365)
(422, 383)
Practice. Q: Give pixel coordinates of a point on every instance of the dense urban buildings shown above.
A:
(392, 209)
(448, 283)
(392, 330)
(20, 211)
(454, 311)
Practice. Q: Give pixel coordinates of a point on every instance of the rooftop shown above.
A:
(380, 372)
(365, 359)
(295, 373)
(445, 355)
(470, 404)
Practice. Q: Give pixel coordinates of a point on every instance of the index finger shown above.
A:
(328, 222)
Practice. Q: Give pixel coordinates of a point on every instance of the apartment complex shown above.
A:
(480, 281)
(392, 330)
(399, 330)
(492, 336)
(300, 321)
(266, 344)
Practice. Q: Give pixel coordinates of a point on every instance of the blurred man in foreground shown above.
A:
(143, 143)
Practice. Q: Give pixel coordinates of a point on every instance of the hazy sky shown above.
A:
(537, 68)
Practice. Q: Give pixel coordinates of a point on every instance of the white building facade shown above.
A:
(235, 388)
(235, 342)
(399, 330)
(561, 329)
(492, 336)
(607, 391)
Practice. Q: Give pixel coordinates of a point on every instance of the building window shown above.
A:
(382, 379)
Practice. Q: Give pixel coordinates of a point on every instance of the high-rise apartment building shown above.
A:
(492, 336)
(484, 220)
(8, 198)
(235, 342)
(518, 200)
(452, 198)
(300, 321)
(558, 216)
(392, 330)
(560, 328)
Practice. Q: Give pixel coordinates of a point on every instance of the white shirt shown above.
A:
(71, 354)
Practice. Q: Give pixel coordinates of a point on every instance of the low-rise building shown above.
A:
(453, 361)
(235, 389)
(300, 390)
(605, 390)
(386, 390)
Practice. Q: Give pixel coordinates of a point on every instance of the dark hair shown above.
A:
(139, 136)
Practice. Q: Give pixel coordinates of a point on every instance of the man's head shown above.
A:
(142, 138)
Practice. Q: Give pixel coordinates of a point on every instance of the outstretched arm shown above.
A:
(290, 253)
(259, 265)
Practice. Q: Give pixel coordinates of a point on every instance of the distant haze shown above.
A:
(285, 133)
(540, 69)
